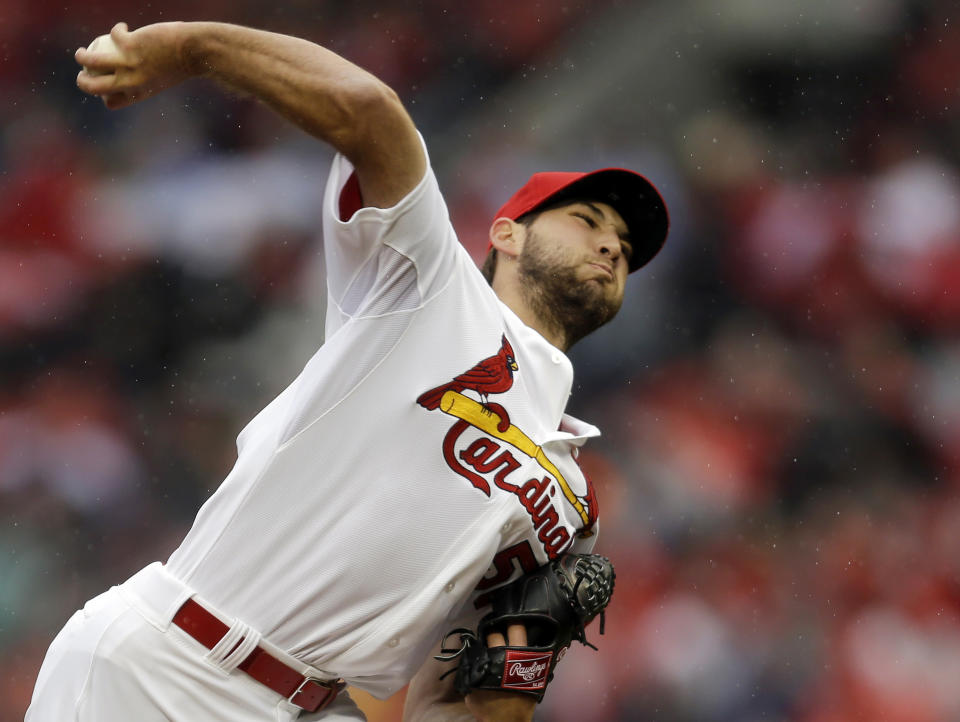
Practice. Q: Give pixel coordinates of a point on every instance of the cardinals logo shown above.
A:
(485, 447)
(493, 375)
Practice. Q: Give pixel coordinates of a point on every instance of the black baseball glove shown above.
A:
(555, 603)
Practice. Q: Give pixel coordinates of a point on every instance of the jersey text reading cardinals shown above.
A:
(486, 459)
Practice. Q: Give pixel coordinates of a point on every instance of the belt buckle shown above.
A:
(316, 701)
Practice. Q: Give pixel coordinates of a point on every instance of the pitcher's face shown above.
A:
(574, 265)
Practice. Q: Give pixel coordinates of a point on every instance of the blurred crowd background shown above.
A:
(780, 397)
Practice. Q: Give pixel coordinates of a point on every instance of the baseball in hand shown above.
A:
(102, 44)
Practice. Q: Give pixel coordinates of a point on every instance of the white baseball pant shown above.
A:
(119, 658)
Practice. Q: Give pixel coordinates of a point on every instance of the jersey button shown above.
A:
(449, 587)
(557, 357)
(505, 527)
(393, 642)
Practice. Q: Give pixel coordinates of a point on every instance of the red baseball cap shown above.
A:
(630, 194)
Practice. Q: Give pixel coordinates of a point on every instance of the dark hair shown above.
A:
(489, 267)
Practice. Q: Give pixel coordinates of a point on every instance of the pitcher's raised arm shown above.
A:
(312, 87)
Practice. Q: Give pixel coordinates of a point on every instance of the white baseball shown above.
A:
(102, 44)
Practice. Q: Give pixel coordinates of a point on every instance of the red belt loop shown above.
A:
(307, 693)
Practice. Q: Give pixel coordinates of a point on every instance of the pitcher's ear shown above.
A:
(507, 236)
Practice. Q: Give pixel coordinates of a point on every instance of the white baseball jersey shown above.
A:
(422, 451)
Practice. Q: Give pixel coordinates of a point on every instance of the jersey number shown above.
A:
(505, 563)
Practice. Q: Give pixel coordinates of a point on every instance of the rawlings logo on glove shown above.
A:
(529, 673)
(554, 603)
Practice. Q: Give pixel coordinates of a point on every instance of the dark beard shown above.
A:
(566, 305)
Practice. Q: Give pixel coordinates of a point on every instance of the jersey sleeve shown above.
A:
(410, 247)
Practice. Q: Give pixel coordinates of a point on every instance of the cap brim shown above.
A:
(636, 200)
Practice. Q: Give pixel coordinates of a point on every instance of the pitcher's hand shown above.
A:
(495, 706)
(143, 63)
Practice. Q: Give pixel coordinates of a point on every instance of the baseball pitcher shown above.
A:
(410, 509)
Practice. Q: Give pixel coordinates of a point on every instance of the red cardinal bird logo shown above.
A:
(493, 375)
